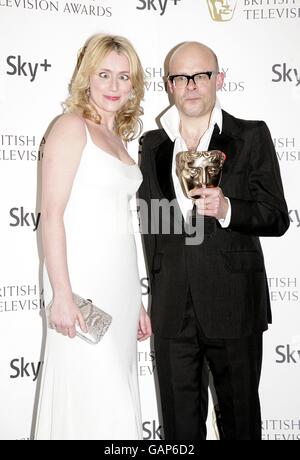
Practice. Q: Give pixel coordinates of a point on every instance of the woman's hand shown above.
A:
(144, 330)
(64, 316)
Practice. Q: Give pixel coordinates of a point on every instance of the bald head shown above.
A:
(188, 53)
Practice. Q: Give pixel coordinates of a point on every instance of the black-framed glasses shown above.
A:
(181, 81)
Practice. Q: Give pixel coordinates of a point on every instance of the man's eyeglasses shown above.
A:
(181, 81)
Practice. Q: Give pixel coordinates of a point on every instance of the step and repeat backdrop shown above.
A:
(257, 42)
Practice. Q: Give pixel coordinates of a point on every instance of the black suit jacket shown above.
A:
(226, 273)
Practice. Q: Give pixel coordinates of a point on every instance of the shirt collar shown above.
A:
(170, 120)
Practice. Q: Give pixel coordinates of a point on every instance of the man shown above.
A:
(210, 300)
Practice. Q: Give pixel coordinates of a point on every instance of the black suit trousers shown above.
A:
(235, 365)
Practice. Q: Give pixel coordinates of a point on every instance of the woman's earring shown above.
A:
(131, 96)
(88, 92)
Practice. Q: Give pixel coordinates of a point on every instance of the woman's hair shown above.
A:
(128, 124)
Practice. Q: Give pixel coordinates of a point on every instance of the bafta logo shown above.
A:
(221, 10)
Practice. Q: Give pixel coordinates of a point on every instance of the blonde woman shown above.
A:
(91, 391)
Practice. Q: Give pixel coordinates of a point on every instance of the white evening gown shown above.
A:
(91, 391)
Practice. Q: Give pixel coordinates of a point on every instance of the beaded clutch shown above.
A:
(97, 321)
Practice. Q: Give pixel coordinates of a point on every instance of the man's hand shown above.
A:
(144, 330)
(211, 202)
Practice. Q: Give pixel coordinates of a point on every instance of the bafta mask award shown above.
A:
(198, 169)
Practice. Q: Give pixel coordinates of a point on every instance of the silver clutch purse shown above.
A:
(97, 321)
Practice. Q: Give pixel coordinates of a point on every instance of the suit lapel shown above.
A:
(228, 142)
(163, 167)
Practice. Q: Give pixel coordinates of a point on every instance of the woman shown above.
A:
(91, 391)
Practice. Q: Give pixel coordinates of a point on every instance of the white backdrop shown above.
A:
(258, 47)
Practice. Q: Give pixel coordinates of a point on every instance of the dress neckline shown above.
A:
(105, 152)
